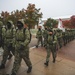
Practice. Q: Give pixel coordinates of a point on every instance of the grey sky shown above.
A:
(49, 8)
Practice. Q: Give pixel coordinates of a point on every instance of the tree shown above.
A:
(32, 15)
(66, 23)
(4, 16)
(69, 23)
(72, 20)
(51, 23)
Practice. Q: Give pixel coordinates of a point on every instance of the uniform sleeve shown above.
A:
(14, 33)
(55, 39)
(3, 33)
(27, 37)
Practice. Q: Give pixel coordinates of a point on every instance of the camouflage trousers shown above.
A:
(51, 49)
(40, 40)
(6, 53)
(45, 42)
(19, 55)
(0, 41)
(60, 42)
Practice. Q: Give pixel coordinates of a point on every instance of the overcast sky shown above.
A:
(49, 8)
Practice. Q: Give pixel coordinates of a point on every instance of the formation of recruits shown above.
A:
(15, 41)
(53, 39)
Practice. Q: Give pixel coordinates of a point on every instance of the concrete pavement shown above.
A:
(63, 65)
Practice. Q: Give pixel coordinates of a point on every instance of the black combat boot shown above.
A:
(10, 56)
(29, 69)
(36, 46)
(2, 66)
(41, 45)
(46, 63)
(53, 60)
(60, 47)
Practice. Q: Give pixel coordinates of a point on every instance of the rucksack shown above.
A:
(24, 33)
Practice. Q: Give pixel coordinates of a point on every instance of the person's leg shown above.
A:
(5, 56)
(54, 55)
(26, 58)
(38, 43)
(41, 41)
(17, 63)
(48, 56)
(11, 53)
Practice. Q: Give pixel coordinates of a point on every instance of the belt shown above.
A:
(20, 40)
(9, 37)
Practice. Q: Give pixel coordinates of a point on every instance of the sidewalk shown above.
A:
(62, 66)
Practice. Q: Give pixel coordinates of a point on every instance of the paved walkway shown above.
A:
(68, 51)
(64, 65)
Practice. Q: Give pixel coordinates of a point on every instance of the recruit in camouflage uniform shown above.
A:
(1, 24)
(3, 35)
(4, 29)
(66, 36)
(45, 34)
(59, 37)
(39, 36)
(22, 39)
(8, 43)
(51, 43)
(63, 37)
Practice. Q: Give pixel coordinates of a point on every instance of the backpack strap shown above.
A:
(24, 31)
(29, 33)
(53, 37)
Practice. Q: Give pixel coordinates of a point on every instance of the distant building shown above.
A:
(57, 18)
(63, 18)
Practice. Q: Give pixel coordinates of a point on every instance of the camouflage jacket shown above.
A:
(22, 38)
(39, 34)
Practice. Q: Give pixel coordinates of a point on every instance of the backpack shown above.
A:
(24, 34)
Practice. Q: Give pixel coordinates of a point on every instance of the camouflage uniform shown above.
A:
(22, 39)
(66, 37)
(45, 35)
(1, 24)
(8, 43)
(59, 37)
(3, 35)
(39, 37)
(63, 36)
(52, 40)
